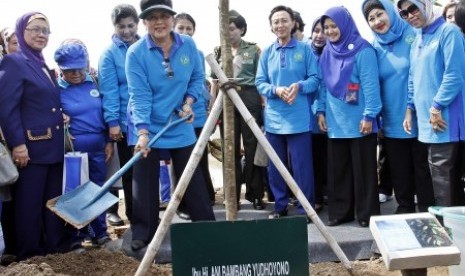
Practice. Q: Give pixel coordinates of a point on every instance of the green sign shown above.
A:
(240, 248)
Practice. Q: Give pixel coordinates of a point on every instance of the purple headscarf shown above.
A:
(21, 24)
(338, 58)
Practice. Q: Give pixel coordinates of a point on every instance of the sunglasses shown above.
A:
(412, 9)
(169, 72)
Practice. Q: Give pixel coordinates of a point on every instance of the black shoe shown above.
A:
(293, 201)
(101, 241)
(137, 244)
(258, 204)
(114, 219)
(336, 222)
(7, 259)
(363, 223)
(163, 205)
(276, 214)
(183, 215)
(77, 247)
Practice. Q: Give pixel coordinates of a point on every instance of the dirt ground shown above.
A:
(103, 262)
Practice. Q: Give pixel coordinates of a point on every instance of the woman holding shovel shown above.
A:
(164, 74)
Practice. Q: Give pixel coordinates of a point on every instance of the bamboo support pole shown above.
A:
(249, 119)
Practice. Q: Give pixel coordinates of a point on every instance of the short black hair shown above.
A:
(286, 9)
(238, 20)
(186, 16)
(460, 15)
(123, 11)
(299, 21)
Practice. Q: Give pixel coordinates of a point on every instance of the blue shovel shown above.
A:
(83, 204)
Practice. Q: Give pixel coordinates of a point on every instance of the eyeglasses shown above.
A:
(169, 72)
(39, 30)
(412, 9)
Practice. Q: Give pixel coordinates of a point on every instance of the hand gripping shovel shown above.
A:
(81, 205)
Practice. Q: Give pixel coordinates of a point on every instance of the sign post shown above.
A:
(246, 248)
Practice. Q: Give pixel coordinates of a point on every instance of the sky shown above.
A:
(90, 21)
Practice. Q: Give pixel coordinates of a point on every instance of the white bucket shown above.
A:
(454, 221)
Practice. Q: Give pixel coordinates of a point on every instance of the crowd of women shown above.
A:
(324, 102)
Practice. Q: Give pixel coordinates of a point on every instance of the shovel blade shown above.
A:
(74, 207)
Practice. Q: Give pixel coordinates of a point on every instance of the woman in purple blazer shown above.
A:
(32, 121)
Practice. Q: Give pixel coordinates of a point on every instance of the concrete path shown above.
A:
(355, 241)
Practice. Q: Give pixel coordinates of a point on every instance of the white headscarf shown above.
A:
(427, 9)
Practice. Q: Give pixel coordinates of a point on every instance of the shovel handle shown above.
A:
(114, 178)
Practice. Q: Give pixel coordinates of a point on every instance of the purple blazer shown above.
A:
(30, 109)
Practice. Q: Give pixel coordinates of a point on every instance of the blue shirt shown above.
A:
(83, 104)
(154, 95)
(200, 107)
(437, 79)
(394, 65)
(342, 118)
(113, 84)
(282, 66)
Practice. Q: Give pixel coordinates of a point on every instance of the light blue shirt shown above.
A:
(343, 119)
(437, 79)
(113, 84)
(200, 107)
(394, 65)
(282, 66)
(154, 95)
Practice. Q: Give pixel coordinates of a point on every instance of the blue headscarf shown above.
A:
(338, 58)
(398, 25)
(21, 24)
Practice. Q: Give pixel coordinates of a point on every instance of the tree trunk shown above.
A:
(229, 170)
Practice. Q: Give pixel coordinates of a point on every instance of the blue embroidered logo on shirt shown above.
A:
(94, 93)
(298, 57)
(409, 39)
(185, 60)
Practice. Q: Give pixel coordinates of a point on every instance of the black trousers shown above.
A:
(384, 175)
(146, 188)
(125, 153)
(352, 178)
(252, 174)
(444, 163)
(204, 168)
(409, 173)
(320, 165)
